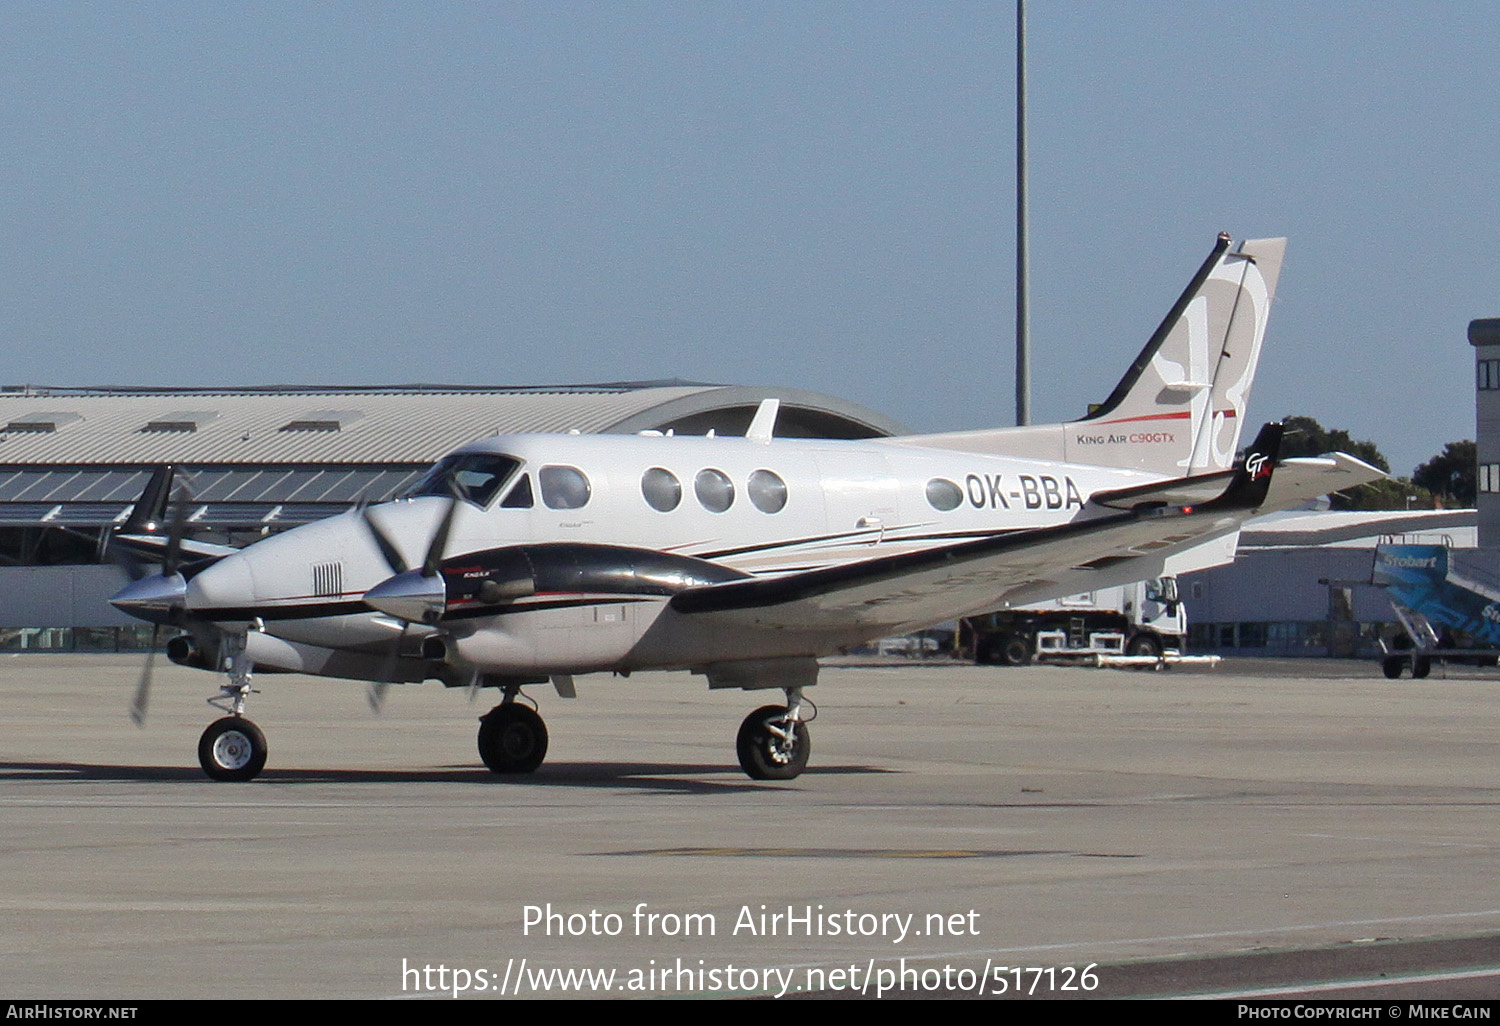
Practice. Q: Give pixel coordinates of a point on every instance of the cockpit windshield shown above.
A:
(475, 477)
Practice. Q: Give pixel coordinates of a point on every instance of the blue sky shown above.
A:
(809, 194)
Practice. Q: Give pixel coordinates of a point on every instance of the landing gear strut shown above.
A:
(773, 743)
(233, 748)
(512, 737)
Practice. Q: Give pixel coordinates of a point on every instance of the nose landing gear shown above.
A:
(233, 748)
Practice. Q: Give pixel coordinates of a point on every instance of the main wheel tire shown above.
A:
(763, 755)
(1421, 666)
(512, 739)
(1015, 651)
(232, 748)
(1392, 666)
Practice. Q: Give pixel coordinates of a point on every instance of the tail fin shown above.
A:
(1180, 406)
(1251, 481)
(149, 515)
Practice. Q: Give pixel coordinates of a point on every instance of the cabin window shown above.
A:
(475, 477)
(767, 491)
(944, 494)
(662, 489)
(563, 487)
(714, 490)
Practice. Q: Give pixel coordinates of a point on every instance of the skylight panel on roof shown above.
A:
(180, 422)
(41, 423)
(323, 420)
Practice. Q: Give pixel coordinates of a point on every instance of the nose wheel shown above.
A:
(232, 748)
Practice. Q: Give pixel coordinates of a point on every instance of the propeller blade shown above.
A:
(387, 548)
(377, 690)
(135, 568)
(433, 561)
(375, 695)
(182, 494)
(142, 699)
(109, 550)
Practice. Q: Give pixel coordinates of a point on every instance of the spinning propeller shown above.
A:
(411, 596)
(161, 597)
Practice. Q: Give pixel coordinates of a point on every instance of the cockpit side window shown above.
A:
(520, 495)
(475, 477)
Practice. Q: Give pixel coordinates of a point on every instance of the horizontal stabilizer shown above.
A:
(1244, 487)
(1306, 477)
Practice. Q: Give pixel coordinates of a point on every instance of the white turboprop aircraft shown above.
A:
(528, 558)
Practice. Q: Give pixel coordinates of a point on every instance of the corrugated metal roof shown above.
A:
(256, 427)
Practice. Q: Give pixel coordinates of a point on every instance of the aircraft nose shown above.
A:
(412, 596)
(225, 586)
(152, 598)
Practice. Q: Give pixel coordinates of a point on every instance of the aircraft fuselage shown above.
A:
(673, 512)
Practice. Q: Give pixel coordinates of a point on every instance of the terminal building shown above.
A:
(73, 462)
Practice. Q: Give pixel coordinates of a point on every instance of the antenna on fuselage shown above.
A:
(763, 426)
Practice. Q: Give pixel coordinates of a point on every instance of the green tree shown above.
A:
(1306, 437)
(1451, 474)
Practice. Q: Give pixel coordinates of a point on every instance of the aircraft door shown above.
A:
(860, 494)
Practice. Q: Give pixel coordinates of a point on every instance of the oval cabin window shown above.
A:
(767, 491)
(714, 490)
(662, 489)
(944, 494)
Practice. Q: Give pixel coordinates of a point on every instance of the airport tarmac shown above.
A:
(1302, 824)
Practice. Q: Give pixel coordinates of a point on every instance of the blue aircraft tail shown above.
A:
(1419, 579)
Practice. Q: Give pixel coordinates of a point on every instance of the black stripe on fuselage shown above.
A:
(890, 538)
(304, 611)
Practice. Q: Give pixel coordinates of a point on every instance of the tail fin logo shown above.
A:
(1258, 465)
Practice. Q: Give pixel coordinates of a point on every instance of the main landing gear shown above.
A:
(233, 748)
(773, 743)
(512, 737)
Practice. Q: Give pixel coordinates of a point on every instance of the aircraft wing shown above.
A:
(953, 580)
(926, 587)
